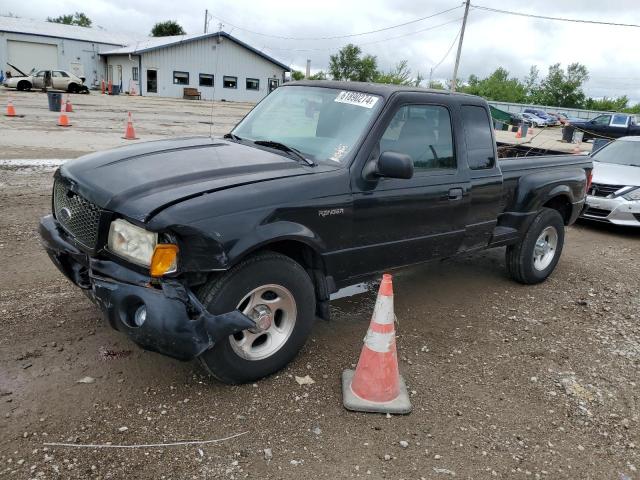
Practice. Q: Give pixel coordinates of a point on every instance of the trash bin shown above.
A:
(577, 136)
(55, 101)
(115, 90)
(567, 133)
(525, 129)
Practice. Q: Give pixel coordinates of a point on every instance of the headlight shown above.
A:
(633, 195)
(132, 243)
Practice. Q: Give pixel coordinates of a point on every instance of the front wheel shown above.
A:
(275, 292)
(536, 255)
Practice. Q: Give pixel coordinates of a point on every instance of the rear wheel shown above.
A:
(275, 292)
(535, 257)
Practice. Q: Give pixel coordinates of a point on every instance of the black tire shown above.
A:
(72, 88)
(23, 85)
(520, 257)
(225, 292)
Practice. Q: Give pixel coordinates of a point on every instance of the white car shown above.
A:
(534, 120)
(614, 195)
(55, 79)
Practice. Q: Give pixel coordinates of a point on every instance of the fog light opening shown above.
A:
(140, 316)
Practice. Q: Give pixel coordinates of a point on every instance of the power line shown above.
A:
(335, 37)
(455, 20)
(558, 19)
(448, 52)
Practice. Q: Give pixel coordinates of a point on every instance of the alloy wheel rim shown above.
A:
(545, 248)
(274, 310)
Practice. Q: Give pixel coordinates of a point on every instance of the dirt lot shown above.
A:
(506, 381)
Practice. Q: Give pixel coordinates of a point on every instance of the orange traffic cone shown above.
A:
(519, 132)
(102, 86)
(376, 384)
(576, 150)
(11, 110)
(63, 120)
(68, 107)
(130, 133)
(110, 88)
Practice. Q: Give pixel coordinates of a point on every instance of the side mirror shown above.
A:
(394, 165)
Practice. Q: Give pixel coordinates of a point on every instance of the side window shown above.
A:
(424, 133)
(477, 133)
(602, 120)
(619, 120)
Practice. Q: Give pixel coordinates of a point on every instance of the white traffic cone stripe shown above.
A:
(383, 311)
(379, 342)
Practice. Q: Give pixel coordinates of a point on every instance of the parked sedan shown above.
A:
(534, 120)
(614, 196)
(57, 79)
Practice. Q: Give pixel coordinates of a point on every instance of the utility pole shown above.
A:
(206, 20)
(308, 72)
(455, 68)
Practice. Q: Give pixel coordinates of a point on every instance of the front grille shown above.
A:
(78, 216)
(603, 190)
(597, 212)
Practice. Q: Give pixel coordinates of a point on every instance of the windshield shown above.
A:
(321, 123)
(620, 152)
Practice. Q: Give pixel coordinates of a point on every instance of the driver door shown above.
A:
(38, 79)
(400, 222)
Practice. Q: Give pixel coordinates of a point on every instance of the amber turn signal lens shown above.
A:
(164, 260)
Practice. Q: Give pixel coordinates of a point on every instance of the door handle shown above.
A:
(455, 194)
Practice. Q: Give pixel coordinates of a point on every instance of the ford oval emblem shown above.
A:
(64, 215)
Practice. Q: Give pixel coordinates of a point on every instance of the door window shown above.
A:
(602, 120)
(477, 131)
(424, 133)
(59, 74)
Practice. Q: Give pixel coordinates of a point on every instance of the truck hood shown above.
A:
(614, 174)
(140, 180)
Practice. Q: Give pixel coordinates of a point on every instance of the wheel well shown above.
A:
(25, 83)
(313, 263)
(562, 204)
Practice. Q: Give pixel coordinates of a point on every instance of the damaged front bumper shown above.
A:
(175, 322)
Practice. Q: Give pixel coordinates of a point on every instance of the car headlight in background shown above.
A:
(131, 242)
(632, 195)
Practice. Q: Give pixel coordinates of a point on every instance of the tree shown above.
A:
(167, 29)
(497, 86)
(436, 85)
(560, 88)
(348, 64)
(297, 75)
(607, 104)
(318, 76)
(78, 18)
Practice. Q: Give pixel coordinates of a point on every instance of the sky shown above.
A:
(491, 39)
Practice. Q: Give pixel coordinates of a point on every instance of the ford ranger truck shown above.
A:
(227, 249)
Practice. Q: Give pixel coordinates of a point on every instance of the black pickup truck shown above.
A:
(609, 125)
(227, 249)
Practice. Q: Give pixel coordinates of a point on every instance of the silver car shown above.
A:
(614, 195)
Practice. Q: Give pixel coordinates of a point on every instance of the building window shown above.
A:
(253, 84)
(180, 78)
(230, 82)
(206, 80)
(134, 74)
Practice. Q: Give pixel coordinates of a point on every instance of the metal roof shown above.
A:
(155, 43)
(59, 30)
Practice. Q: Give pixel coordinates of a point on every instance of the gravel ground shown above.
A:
(506, 381)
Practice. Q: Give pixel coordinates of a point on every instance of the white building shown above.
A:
(29, 44)
(217, 65)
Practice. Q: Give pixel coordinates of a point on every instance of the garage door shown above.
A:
(28, 55)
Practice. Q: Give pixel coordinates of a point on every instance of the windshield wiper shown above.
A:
(285, 148)
(232, 136)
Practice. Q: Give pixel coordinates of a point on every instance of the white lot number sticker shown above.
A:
(357, 98)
